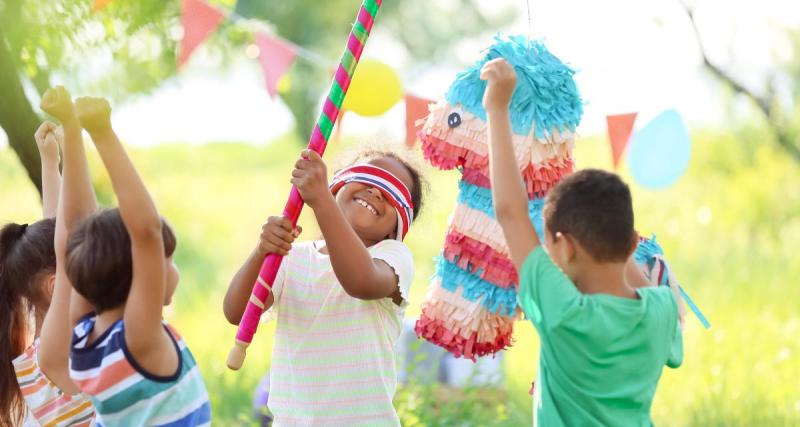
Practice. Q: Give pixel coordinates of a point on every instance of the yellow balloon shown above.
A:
(374, 90)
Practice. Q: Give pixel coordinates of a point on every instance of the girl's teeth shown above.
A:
(367, 205)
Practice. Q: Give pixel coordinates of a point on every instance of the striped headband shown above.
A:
(389, 185)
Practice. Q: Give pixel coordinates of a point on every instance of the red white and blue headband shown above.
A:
(389, 185)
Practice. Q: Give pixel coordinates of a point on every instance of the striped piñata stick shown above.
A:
(319, 140)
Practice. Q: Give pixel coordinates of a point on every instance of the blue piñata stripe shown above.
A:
(493, 298)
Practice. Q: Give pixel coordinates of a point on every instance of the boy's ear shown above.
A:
(568, 247)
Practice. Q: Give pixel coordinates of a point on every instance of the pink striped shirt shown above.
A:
(333, 361)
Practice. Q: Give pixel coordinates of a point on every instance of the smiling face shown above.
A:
(369, 213)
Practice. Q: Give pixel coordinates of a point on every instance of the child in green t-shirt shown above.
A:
(604, 338)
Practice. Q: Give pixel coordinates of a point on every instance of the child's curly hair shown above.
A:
(367, 152)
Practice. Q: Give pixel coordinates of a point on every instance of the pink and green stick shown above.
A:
(319, 140)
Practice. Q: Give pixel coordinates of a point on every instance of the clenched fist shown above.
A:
(501, 79)
(94, 114)
(277, 236)
(48, 137)
(58, 103)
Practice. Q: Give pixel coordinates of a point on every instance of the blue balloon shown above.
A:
(660, 151)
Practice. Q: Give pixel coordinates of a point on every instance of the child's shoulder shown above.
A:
(390, 245)
(393, 248)
(660, 301)
(661, 295)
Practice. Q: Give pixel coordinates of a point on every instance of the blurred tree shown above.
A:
(781, 115)
(129, 48)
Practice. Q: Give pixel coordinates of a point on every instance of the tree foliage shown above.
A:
(129, 47)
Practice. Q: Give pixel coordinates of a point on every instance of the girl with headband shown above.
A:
(340, 301)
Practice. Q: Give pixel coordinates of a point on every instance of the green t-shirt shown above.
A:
(601, 355)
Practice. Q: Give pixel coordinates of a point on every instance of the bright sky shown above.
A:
(632, 55)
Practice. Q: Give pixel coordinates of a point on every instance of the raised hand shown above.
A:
(501, 79)
(94, 115)
(58, 103)
(310, 176)
(48, 137)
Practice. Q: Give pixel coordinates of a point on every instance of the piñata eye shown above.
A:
(454, 119)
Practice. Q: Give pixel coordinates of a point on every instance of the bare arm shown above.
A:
(48, 139)
(77, 193)
(144, 333)
(57, 327)
(276, 237)
(360, 275)
(508, 190)
(54, 341)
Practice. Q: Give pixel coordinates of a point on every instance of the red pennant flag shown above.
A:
(276, 57)
(199, 21)
(99, 4)
(620, 127)
(416, 109)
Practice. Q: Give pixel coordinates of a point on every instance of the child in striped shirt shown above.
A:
(27, 273)
(340, 301)
(135, 369)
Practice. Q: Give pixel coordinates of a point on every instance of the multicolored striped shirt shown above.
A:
(47, 404)
(124, 394)
(333, 361)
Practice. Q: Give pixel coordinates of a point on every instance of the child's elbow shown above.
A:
(358, 289)
(232, 314)
(506, 212)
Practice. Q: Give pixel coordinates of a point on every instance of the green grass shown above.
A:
(739, 264)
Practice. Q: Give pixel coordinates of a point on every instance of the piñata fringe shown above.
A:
(480, 258)
(462, 327)
(545, 97)
(494, 298)
(454, 143)
(537, 182)
(478, 226)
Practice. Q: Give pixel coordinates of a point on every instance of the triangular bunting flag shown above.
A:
(620, 127)
(276, 56)
(416, 109)
(199, 21)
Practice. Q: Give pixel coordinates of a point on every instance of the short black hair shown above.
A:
(595, 208)
(418, 181)
(99, 262)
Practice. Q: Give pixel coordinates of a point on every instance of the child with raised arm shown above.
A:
(135, 369)
(27, 276)
(604, 339)
(340, 300)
